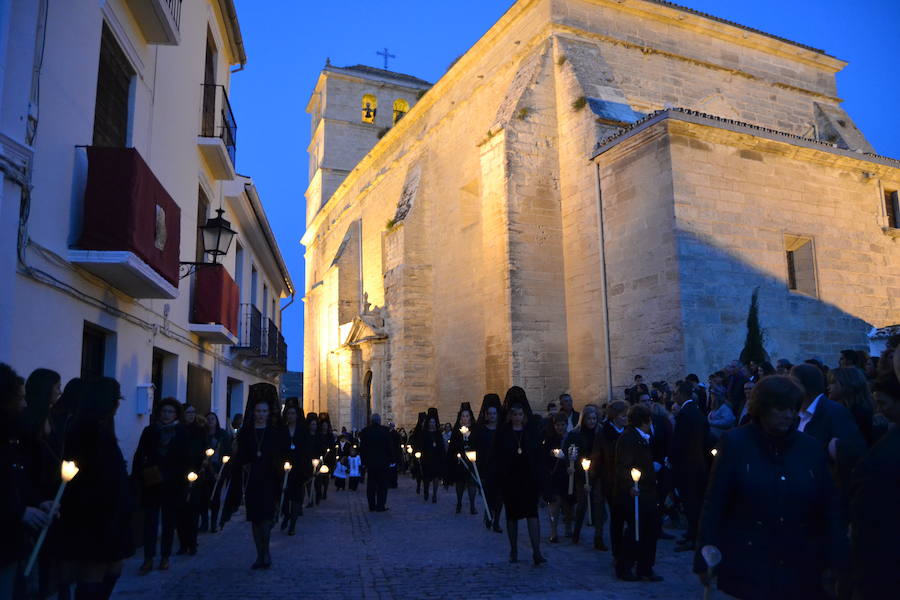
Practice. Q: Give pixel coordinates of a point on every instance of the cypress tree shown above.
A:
(754, 346)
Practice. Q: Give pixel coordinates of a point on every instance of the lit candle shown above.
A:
(225, 460)
(287, 471)
(472, 456)
(324, 469)
(586, 466)
(557, 453)
(418, 455)
(210, 452)
(464, 431)
(635, 477)
(714, 452)
(68, 470)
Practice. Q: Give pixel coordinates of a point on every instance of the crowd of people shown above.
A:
(785, 479)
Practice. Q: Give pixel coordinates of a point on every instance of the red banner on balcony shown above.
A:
(215, 298)
(126, 208)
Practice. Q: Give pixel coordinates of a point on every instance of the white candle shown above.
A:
(68, 470)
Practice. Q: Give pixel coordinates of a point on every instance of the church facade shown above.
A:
(595, 189)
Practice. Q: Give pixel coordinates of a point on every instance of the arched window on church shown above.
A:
(401, 107)
(369, 108)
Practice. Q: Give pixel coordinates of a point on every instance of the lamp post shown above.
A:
(472, 456)
(586, 466)
(635, 477)
(68, 470)
(216, 236)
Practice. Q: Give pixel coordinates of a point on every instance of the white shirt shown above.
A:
(646, 436)
(806, 414)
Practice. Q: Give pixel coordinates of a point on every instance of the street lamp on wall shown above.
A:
(216, 236)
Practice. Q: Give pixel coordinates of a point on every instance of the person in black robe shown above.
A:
(691, 443)
(258, 459)
(396, 451)
(459, 471)
(377, 454)
(160, 466)
(221, 443)
(198, 492)
(771, 508)
(485, 440)
(634, 451)
(98, 503)
(520, 467)
(874, 502)
(586, 440)
(557, 464)
(295, 446)
(315, 453)
(415, 442)
(433, 455)
(328, 447)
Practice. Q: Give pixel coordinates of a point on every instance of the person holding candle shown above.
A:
(588, 487)
(772, 508)
(260, 459)
(557, 465)
(314, 448)
(198, 493)
(415, 442)
(485, 438)
(433, 455)
(98, 504)
(220, 442)
(327, 442)
(638, 545)
(160, 466)
(519, 464)
(296, 451)
(22, 511)
(459, 472)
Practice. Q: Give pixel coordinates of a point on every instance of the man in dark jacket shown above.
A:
(634, 451)
(690, 444)
(377, 456)
(832, 424)
(874, 502)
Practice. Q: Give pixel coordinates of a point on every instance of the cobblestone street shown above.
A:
(415, 550)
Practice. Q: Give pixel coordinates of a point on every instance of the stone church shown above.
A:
(595, 189)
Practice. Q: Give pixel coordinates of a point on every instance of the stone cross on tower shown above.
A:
(386, 54)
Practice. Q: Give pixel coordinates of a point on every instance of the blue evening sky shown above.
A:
(287, 42)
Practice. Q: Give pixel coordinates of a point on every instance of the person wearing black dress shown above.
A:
(557, 465)
(433, 454)
(458, 469)
(296, 451)
(160, 466)
(198, 492)
(327, 443)
(259, 460)
(485, 439)
(220, 442)
(415, 441)
(98, 504)
(520, 468)
(314, 449)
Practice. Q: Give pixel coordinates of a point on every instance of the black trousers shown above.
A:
(354, 483)
(377, 487)
(640, 553)
(691, 487)
(168, 512)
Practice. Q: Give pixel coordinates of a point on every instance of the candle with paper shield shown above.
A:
(472, 457)
(586, 466)
(465, 432)
(635, 477)
(210, 452)
(68, 470)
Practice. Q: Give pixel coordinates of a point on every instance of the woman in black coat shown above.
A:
(458, 469)
(771, 507)
(587, 438)
(160, 465)
(98, 504)
(295, 446)
(520, 471)
(433, 455)
(314, 449)
(220, 442)
(328, 453)
(557, 466)
(485, 441)
(259, 460)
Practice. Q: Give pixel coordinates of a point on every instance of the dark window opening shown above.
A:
(111, 110)
(801, 265)
(199, 389)
(93, 352)
(892, 208)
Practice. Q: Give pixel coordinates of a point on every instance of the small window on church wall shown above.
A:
(801, 265)
(892, 208)
(369, 108)
(401, 107)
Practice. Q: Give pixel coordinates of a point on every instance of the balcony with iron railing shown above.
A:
(249, 331)
(159, 20)
(218, 132)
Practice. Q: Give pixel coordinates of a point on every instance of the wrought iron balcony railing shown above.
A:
(218, 118)
(250, 331)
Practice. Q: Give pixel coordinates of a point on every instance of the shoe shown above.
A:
(649, 576)
(284, 523)
(434, 499)
(203, 529)
(214, 529)
(292, 528)
(146, 567)
(576, 537)
(458, 508)
(257, 565)
(164, 564)
(626, 575)
(487, 522)
(497, 529)
(600, 545)
(266, 565)
(382, 509)
(538, 560)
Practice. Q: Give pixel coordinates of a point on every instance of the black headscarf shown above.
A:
(37, 398)
(468, 407)
(488, 401)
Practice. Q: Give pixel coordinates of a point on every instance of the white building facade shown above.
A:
(117, 143)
